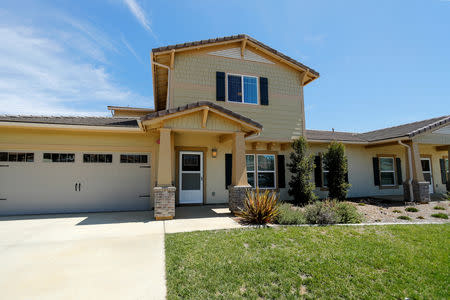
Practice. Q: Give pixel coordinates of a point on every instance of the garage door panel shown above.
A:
(47, 187)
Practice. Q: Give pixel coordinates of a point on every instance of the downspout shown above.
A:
(411, 195)
(168, 81)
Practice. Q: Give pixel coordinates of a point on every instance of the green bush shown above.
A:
(411, 209)
(335, 162)
(290, 216)
(440, 216)
(321, 212)
(420, 218)
(404, 218)
(260, 207)
(439, 208)
(396, 211)
(301, 166)
(347, 213)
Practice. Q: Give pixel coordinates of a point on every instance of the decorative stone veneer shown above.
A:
(421, 191)
(164, 202)
(236, 197)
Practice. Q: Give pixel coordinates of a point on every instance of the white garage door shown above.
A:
(36, 182)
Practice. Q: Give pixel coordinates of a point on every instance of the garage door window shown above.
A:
(59, 157)
(97, 158)
(17, 156)
(133, 159)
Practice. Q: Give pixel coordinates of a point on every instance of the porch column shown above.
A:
(164, 192)
(421, 189)
(239, 184)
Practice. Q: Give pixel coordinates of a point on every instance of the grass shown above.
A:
(324, 262)
(439, 208)
(404, 218)
(440, 216)
(411, 209)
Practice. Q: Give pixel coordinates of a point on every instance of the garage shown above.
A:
(38, 182)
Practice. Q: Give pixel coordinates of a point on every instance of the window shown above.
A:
(387, 171)
(324, 175)
(59, 157)
(261, 172)
(97, 158)
(242, 89)
(133, 159)
(16, 156)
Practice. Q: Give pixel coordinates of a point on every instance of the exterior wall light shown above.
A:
(214, 152)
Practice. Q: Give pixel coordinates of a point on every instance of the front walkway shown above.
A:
(93, 255)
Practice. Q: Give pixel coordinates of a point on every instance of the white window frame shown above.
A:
(256, 171)
(323, 173)
(242, 85)
(393, 170)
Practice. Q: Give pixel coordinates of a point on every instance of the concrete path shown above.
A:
(95, 255)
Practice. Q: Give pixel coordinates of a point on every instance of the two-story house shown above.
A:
(225, 113)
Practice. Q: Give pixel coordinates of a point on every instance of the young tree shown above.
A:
(335, 162)
(301, 167)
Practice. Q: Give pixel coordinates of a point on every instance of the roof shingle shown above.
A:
(83, 121)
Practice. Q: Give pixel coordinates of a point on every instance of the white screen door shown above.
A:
(191, 177)
(426, 170)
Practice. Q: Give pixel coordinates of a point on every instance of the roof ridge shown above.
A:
(355, 133)
(406, 124)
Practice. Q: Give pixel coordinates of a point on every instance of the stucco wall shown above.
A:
(194, 79)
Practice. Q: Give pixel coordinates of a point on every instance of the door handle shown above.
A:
(76, 187)
(79, 186)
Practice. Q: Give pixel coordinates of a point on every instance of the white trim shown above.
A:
(180, 178)
(431, 190)
(242, 87)
(256, 171)
(63, 126)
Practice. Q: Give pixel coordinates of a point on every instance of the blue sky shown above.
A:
(382, 63)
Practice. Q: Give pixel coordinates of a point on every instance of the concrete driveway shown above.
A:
(82, 256)
(94, 255)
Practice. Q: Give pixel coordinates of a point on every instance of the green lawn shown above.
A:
(370, 262)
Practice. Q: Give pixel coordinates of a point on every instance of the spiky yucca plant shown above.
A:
(260, 207)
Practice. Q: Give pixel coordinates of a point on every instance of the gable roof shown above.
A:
(173, 111)
(80, 121)
(234, 38)
(408, 130)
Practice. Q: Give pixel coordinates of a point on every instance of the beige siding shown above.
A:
(194, 79)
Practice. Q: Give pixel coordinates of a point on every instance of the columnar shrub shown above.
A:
(301, 167)
(335, 162)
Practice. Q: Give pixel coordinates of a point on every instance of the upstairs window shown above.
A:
(242, 89)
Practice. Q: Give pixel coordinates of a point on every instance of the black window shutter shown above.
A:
(281, 172)
(228, 166)
(264, 90)
(220, 86)
(318, 171)
(376, 171)
(443, 171)
(398, 163)
(346, 177)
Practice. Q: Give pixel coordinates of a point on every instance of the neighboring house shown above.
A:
(226, 111)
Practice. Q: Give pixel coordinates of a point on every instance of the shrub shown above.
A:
(396, 211)
(411, 209)
(446, 196)
(290, 216)
(321, 212)
(260, 207)
(335, 162)
(420, 217)
(439, 208)
(440, 216)
(347, 213)
(301, 166)
(404, 218)
(361, 204)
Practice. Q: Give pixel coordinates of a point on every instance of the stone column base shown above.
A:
(236, 197)
(164, 202)
(421, 191)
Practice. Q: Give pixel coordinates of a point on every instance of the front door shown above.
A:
(191, 177)
(427, 174)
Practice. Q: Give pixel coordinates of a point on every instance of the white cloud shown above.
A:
(41, 75)
(131, 49)
(140, 15)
